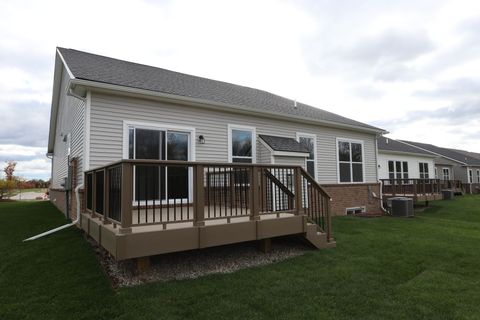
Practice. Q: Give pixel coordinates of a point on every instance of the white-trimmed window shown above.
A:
(436, 173)
(310, 142)
(470, 175)
(350, 160)
(446, 173)
(423, 167)
(397, 169)
(478, 175)
(241, 144)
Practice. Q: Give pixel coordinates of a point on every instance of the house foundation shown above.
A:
(354, 195)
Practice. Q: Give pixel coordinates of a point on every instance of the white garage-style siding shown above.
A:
(108, 112)
(413, 164)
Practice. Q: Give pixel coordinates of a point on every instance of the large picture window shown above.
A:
(241, 144)
(350, 161)
(397, 169)
(423, 167)
(309, 141)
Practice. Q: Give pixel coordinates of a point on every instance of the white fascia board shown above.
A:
(290, 154)
(57, 81)
(135, 92)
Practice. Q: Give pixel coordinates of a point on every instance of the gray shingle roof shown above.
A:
(283, 144)
(461, 156)
(103, 69)
(388, 144)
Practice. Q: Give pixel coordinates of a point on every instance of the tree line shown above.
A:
(12, 182)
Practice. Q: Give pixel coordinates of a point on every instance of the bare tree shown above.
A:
(9, 170)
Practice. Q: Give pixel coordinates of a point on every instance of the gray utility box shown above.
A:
(447, 194)
(402, 207)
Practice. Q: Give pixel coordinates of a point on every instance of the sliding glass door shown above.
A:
(157, 182)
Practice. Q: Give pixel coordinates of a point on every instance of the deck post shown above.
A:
(106, 193)
(94, 193)
(298, 190)
(127, 198)
(254, 194)
(329, 221)
(198, 196)
(85, 192)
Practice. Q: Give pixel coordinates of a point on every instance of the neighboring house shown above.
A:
(452, 164)
(407, 170)
(398, 160)
(105, 110)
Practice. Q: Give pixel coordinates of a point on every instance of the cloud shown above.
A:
(24, 123)
(390, 46)
(31, 161)
(462, 88)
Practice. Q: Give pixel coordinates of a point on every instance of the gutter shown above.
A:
(46, 233)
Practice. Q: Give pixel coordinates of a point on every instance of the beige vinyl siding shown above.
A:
(263, 154)
(108, 112)
(70, 120)
(460, 173)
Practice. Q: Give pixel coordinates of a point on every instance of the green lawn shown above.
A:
(383, 268)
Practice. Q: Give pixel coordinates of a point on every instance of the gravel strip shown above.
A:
(197, 263)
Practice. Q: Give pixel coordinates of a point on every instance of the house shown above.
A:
(406, 170)
(170, 161)
(452, 164)
(398, 160)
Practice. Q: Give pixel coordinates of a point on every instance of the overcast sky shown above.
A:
(410, 67)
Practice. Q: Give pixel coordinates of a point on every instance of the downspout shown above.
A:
(380, 181)
(46, 233)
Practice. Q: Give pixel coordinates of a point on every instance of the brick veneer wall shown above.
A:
(353, 195)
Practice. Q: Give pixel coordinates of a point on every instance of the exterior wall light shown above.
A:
(201, 139)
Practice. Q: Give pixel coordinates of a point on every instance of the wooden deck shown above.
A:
(226, 203)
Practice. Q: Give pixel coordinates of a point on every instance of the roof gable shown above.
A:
(101, 69)
(391, 145)
(461, 156)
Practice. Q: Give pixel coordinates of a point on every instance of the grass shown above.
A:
(383, 268)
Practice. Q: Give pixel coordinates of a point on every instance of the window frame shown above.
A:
(127, 124)
(443, 173)
(253, 130)
(314, 136)
(350, 141)
(421, 170)
(470, 175)
(478, 175)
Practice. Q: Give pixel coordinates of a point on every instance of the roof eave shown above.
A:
(435, 153)
(216, 105)
(407, 153)
(60, 65)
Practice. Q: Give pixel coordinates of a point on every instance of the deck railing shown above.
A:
(411, 187)
(455, 185)
(131, 193)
